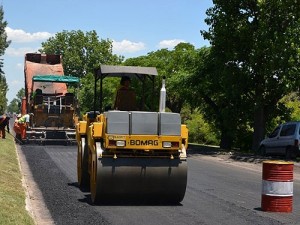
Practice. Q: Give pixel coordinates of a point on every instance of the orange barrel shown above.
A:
(277, 186)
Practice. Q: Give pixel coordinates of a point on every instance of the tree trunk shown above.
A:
(175, 106)
(259, 127)
(226, 140)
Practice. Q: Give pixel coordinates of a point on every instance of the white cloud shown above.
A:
(169, 43)
(20, 65)
(126, 46)
(20, 36)
(16, 83)
(17, 52)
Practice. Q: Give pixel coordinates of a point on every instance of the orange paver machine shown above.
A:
(52, 110)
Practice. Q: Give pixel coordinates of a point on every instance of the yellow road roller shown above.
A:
(127, 153)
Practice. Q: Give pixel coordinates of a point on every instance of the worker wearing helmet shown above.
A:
(21, 124)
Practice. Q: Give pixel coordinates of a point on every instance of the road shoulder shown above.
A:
(35, 204)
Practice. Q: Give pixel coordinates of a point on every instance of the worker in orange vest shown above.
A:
(21, 123)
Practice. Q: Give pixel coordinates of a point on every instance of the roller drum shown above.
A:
(82, 165)
(142, 179)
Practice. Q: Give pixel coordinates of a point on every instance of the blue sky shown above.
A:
(136, 27)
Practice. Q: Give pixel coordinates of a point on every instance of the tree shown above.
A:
(82, 53)
(254, 49)
(20, 95)
(3, 45)
(275, 60)
(3, 91)
(175, 66)
(199, 130)
(217, 95)
(15, 104)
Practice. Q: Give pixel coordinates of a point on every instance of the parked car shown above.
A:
(284, 140)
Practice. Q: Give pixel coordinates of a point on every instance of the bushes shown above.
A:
(200, 131)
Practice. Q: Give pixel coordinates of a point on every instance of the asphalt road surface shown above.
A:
(218, 192)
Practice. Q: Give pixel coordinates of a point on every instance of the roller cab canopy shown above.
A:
(120, 71)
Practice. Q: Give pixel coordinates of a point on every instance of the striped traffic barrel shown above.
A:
(277, 186)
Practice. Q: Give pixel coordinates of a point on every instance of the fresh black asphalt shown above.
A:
(217, 193)
(66, 203)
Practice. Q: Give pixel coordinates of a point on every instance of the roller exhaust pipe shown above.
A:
(162, 97)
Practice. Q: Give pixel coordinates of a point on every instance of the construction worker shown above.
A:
(21, 123)
(4, 122)
(16, 127)
(125, 97)
(25, 119)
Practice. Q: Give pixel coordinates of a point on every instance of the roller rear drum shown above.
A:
(138, 179)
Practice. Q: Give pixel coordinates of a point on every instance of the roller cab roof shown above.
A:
(120, 71)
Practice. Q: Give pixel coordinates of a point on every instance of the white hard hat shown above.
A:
(19, 115)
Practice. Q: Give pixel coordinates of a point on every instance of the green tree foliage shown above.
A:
(3, 45)
(292, 103)
(82, 53)
(254, 62)
(199, 130)
(87, 93)
(20, 95)
(175, 65)
(213, 93)
(15, 104)
(289, 106)
(3, 91)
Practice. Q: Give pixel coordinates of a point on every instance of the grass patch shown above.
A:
(12, 194)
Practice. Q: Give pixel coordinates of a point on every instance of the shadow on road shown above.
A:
(120, 202)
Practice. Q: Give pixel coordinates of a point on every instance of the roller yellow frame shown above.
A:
(130, 166)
